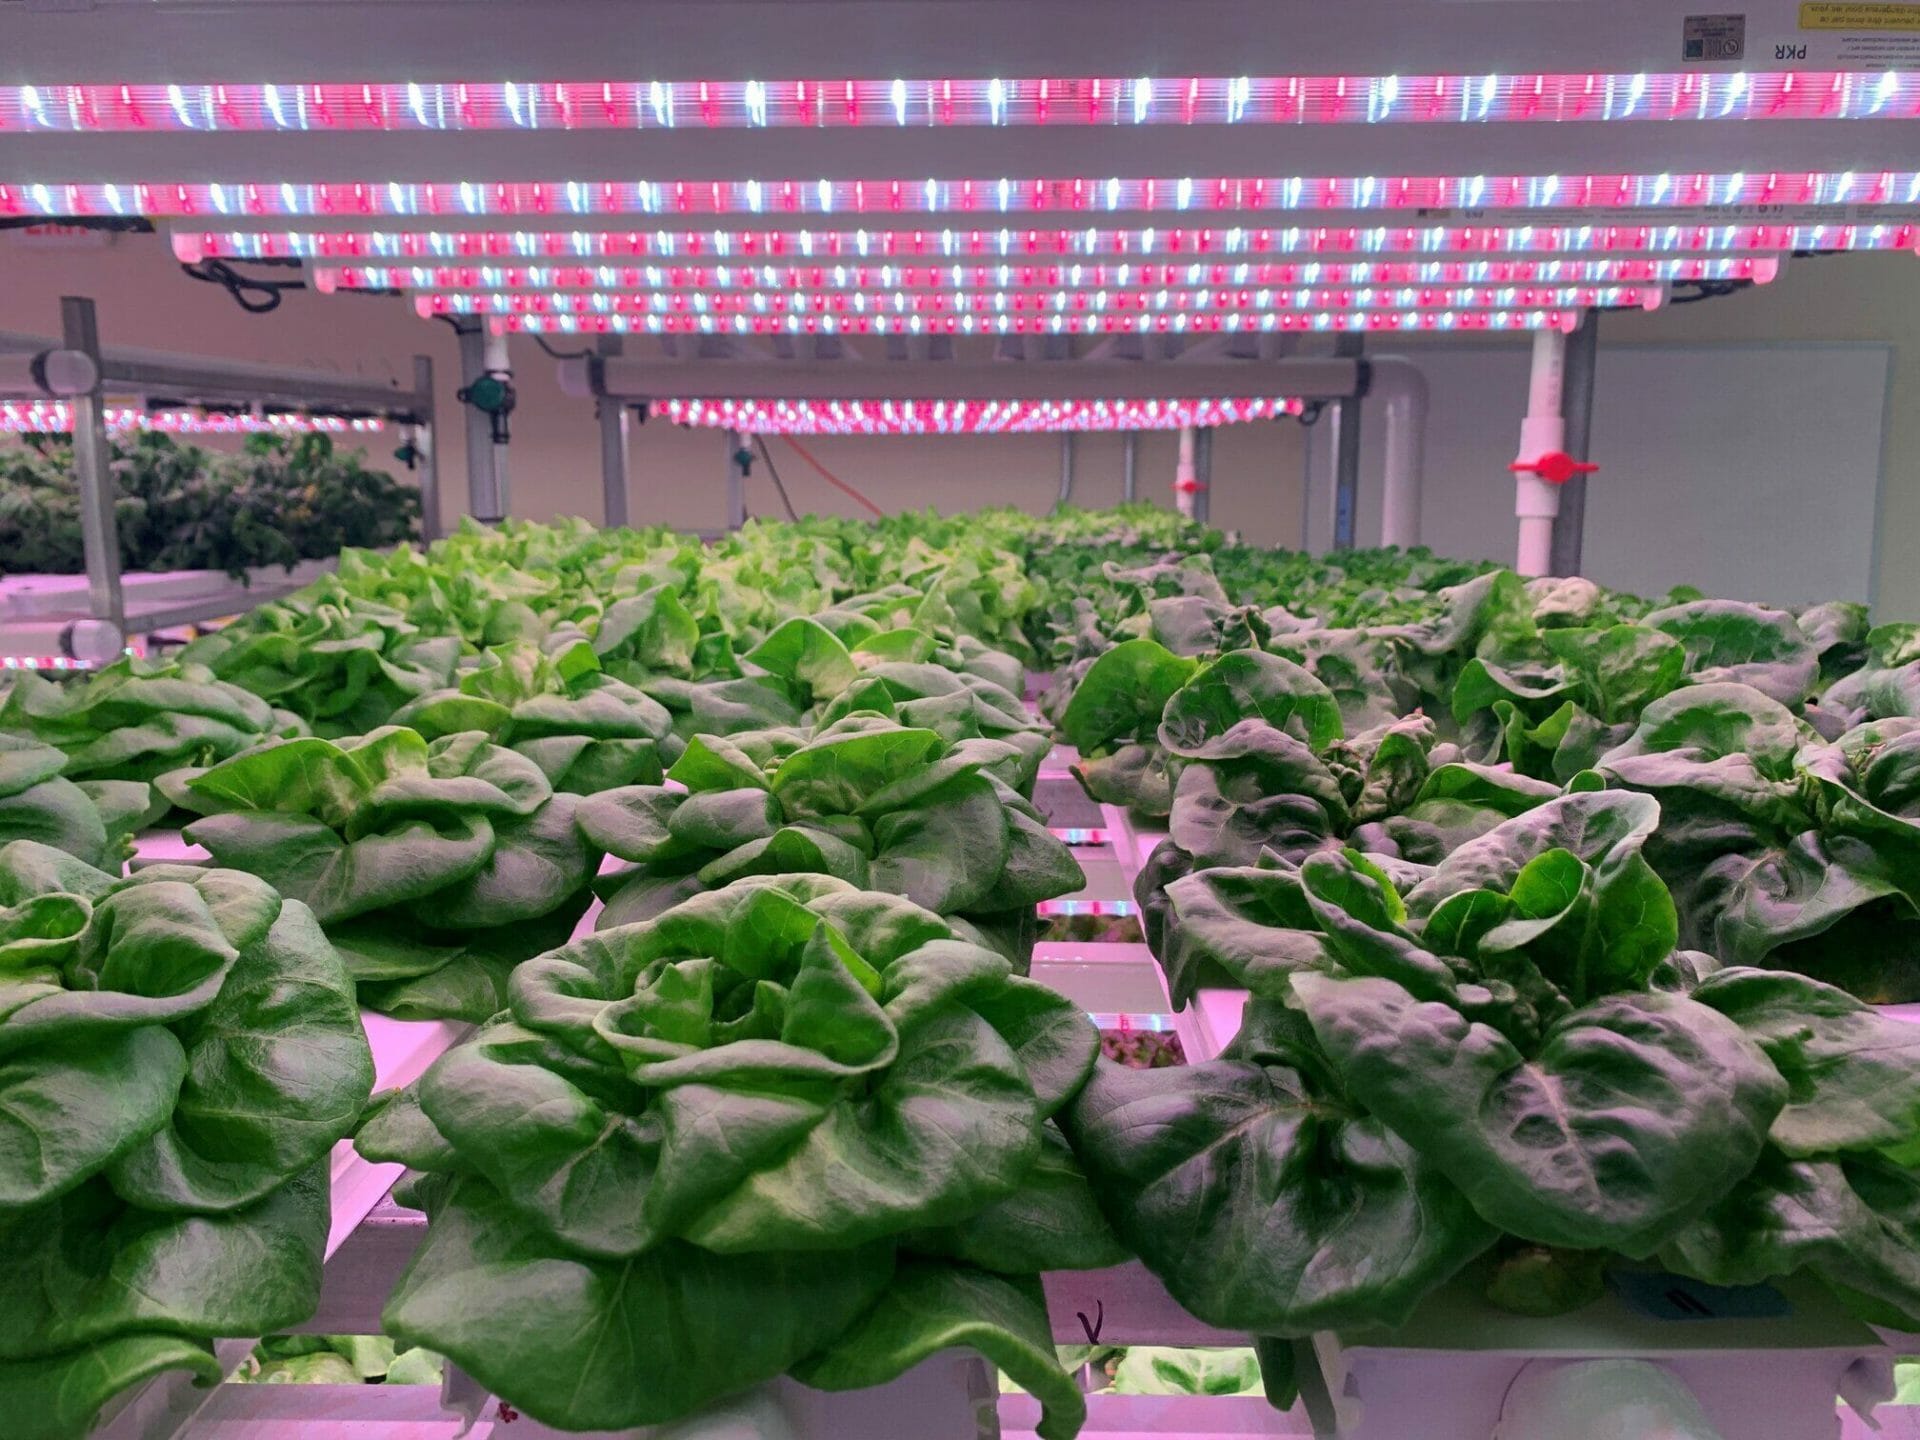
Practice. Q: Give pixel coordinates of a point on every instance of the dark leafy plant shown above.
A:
(1513, 1057)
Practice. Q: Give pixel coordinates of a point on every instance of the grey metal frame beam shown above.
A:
(614, 452)
(1346, 454)
(92, 464)
(629, 378)
(484, 500)
(1576, 400)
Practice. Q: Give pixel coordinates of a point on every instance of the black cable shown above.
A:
(541, 341)
(240, 286)
(112, 224)
(767, 455)
(1710, 290)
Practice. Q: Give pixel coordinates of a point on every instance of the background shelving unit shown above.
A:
(49, 616)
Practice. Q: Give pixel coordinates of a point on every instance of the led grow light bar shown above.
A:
(1688, 96)
(1329, 241)
(424, 202)
(1308, 322)
(962, 417)
(614, 279)
(1121, 302)
(38, 417)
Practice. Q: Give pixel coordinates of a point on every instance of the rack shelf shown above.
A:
(115, 607)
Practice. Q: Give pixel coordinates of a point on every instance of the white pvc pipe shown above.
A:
(1185, 482)
(499, 361)
(1400, 384)
(1543, 432)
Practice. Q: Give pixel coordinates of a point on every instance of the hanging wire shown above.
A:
(767, 455)
(831, 478)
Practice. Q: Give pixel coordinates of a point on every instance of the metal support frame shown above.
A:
(1576, 401)
(99, 531)
(78, 369)
(1066, 466)
(736, 479)
(1130, 467)
(426, 447)
(634, 379)
(1346, 453)
(614, 455)
(486, 500)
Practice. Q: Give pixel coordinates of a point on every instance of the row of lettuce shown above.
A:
(1481, 852)
(789, 1110)
(1561, 915)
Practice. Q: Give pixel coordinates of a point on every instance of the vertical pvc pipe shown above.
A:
(612, 415)
(499, 361)
(1130, 467)
(1537, 501)
(1569, 526)
(1403, 388)
(1203, 474)
(426, 441)
(99, 530)
(1184, 485)
(1066, 466)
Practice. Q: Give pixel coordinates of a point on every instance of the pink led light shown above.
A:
(1029, 275)
(964, 417)
(422, 202)
(1405, 321)
(1122, 303)
(38, 417)
(1327, 242)
(1586, 97)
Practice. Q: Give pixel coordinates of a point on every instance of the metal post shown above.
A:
(1203, 473)
(1130, 466)
(484, 499)
(1066, 466)
(499, 362)
(736, 480)
(99, 530)
(426, 444)
(1576, 401)
(1346, 456)
(612, 414)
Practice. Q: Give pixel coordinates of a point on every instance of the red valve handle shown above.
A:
(1556, 467)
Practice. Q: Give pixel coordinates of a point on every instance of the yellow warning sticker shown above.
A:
(1859, 15)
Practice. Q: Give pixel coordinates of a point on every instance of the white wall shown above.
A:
(1749, 470)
